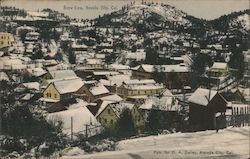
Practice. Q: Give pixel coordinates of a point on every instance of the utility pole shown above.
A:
(86, 131)
(71, 130)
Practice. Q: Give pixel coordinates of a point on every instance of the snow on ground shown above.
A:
(245, 20)
(230, 143)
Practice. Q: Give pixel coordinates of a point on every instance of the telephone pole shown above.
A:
(71, 130)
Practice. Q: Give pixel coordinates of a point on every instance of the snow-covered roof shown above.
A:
(172, 68)
(81, 116)
(103, 73)
(103, 106)
(201, 96)
(60, 74)
(120, 106)
(31, 85)
(60, 66)
(144, 87)
(220, 65)
(38, 14)
(162, 68)
(36, 71)
(160, 103)
(99, 89)
(147, 68)
(113, 97)
(139, 82)
(119, 67)
(27, 96)
(68, 85)
(4, 76)
(114, 80)
(167, 92)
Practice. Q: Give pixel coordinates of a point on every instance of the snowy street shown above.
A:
(231, 143)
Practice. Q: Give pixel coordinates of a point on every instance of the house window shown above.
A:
(105, 120)
(111, 121)
(48, 94)
(108, 111)
(55, 95)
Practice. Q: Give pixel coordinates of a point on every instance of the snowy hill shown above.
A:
(232, 22)
(226, 144)
(164, 13)
(152, 16)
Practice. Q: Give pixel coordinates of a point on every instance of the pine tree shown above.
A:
(156, 121)
(125, 125)
(72, 57)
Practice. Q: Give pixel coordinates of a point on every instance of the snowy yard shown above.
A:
(228, 143)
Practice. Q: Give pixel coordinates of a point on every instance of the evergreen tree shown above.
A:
(159, 76)
(72, 57)
(151, 56)
(237, 62)
(125, 124)
(156, 121)
(201, 61)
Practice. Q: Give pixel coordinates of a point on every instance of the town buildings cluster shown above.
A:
(86, 75)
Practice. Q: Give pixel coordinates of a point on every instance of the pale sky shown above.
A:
(207, 9)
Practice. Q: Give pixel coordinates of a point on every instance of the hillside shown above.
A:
(169, 27)
(230, 143)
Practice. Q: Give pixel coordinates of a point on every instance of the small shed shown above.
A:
(205, 106)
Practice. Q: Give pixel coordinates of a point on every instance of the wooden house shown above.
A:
(139, 88)
(174, 75)
(92, 92)
(60, 74)
(109, 113)
(61, 90)
(218, 69)
(167, 105)
(204, 107)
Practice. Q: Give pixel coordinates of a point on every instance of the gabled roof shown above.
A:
(98, 90)
(60, 74)
(141, 82)
(104, 104)
(220, 65)
(31, 85)
(146, 68)
(36, 71)
(81, 116)
(201, 96)
(162, 68)
(113, 97)
(68, 86)
(160, 103)
(120, 106)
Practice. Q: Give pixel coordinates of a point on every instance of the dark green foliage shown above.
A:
(59, 56)
(159, 77)
(65, 45)
(18, 122)
(237, 63)
(201, 61)
(134, 48)
(71, 56)
(125, 124)
(38, 53)
(151, 56)
(75, 32)
(156, 121)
